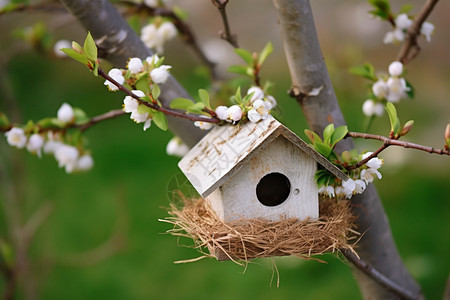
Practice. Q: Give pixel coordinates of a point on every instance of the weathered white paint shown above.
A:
(236, 198)
(227, 164)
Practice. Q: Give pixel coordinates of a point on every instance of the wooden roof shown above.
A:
(223, 150)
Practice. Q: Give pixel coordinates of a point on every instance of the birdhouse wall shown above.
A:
(237, 197)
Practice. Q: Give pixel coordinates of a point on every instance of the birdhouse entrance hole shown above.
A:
(273, 189)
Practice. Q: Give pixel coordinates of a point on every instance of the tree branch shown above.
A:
(405, 55)
(379, 277)
(227, 35)
(390, 142)
(183, 28)
(308, 71)
(154, 106)
(113, 34)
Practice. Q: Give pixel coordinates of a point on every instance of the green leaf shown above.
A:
(75, 55)
(50, 123)
(156, 91)
(327, 132)
(196, 108)
(143, 85)
(247, 99)
(366, 70)
(29, 126)
(160, 120)
(406, 8)
(3, 120)
(242, 70)
(245, 55)
(313, 137)
(90, 49)
(95, 70)
(181, 103)
(268, 49)
(142, 109)
(237, 96)
(392, 112)
(382, 8)
(323, 149)
(204, 97)
(411, 92)
(180, 13)
(338, 134)
(80, 116)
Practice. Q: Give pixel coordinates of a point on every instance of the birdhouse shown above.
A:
(256, 170)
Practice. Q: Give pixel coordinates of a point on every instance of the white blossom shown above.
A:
(233, 113)
(130, 104)
(51, 145)
(147, 123)
(221, 112)
(84, 163)
(260, 110)
(339, 191)
(329, 191)
(395, 36)
(396, 68)
(16, 137)
(360, 186)
(203, 125)
(374, 163)
(427, 30)
(176, 147)
(167, 31)
(371, 108)
(160, 75)
(152, 59)
(115, 74)
(369, 174)
(380, 89)
(60, 45)
(135, 65)
(67, 156)
(150, 37)
(139, 118)
(151, 3)
(272, 100)
(397, 89)
(258, 93)
(349, 187)
(35, 143)
(402, 21)
(65, 113)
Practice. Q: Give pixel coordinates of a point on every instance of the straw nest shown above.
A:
(244, 239)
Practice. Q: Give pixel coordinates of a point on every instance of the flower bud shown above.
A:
(396, 68)
(407, 127)
(66, 113)
(135, 65)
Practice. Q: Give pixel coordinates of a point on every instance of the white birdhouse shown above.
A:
(256, 170)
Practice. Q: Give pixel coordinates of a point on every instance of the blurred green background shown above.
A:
(127, 190)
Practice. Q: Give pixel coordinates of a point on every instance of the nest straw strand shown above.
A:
(245, 239)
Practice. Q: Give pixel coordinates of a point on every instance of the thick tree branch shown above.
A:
(379, 277)
(410, 48)
(120, 42)
(308, 71)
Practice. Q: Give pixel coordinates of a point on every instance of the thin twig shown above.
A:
(183, 28)
(154, 106)
(227, 35)
(390, 142)
(405, 55)
(379, 277)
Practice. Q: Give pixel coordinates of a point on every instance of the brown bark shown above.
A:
(308, 71)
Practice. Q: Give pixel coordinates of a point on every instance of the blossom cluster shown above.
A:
(176, 147)
(138, 69)
(155, 35)
(73, 159)
(390, 88)
(402, 23)
(357, 182)
(259, 109)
